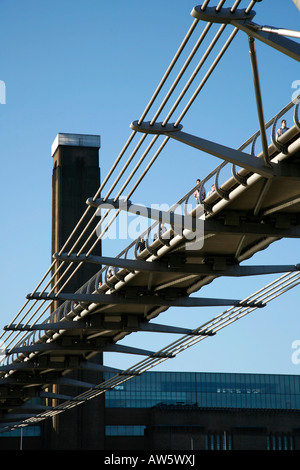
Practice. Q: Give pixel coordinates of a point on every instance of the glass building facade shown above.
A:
(207, 390)
(210, 411)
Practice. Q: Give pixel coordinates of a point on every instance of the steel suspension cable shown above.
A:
(198, 43)
(191, 30)
(170, 68)
(179, 76)
(198, 68)
(211, 69)
(217, 8)
(141, 141)
(188, 61)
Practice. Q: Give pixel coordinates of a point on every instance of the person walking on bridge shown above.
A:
(199, 197)
(282, 129)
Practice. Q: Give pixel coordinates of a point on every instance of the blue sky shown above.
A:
(91, 67)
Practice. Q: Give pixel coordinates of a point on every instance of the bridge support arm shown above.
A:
(185, 268)
(228, 154)
(171, 217)
(183, 224)
(110, 299)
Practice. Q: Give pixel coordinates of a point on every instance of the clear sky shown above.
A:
(91, 68)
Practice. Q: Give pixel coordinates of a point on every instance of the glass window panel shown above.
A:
(124, 430)
(208, 389)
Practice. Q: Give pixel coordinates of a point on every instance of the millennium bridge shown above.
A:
(58, 331)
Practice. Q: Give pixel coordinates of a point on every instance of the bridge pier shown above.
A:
(76, 175)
